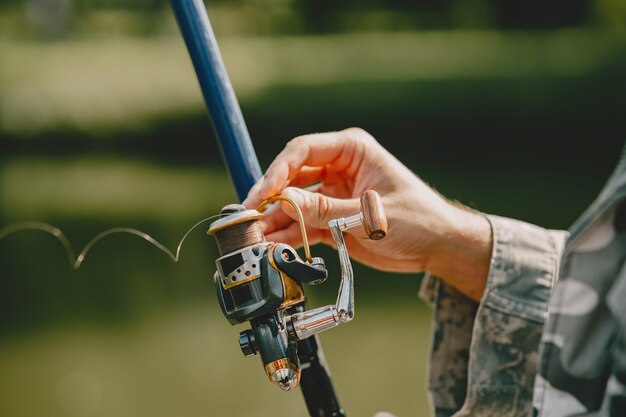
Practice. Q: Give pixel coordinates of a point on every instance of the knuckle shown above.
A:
(357, 133)
(323, 206)
(360, 138)
(296, 142)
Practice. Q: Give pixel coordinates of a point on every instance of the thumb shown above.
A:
(318, 209)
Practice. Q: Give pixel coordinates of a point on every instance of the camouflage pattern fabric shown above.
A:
(513, 363)
(502, 345)
(583, 353)
(453, 321)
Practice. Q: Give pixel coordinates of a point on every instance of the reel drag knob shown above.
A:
(247, 343)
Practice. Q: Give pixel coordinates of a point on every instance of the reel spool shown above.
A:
(237, 229)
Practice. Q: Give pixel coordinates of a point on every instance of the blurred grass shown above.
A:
(118, 189)
(46, 85)
(187, 363)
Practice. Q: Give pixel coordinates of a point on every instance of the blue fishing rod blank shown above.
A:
(219, 96)
(243, 166)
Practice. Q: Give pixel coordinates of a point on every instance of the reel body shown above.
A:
(261, 282)
(243, 295)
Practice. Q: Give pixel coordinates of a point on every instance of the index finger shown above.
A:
(314, 150)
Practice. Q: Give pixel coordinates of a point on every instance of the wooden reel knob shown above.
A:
(374, 219)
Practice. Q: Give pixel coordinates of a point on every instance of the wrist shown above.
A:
(463, 253)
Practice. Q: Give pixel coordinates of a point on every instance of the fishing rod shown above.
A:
(261, 282)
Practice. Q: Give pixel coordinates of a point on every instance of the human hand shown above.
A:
(426, 231)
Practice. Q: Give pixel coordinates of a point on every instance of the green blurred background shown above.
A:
(514, 107)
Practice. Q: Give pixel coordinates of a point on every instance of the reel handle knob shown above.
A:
(374, 218)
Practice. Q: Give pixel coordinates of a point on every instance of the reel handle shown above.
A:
(374, 218)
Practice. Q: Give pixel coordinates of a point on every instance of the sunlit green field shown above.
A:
(185, 361)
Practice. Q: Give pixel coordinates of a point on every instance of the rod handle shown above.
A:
(374, 219)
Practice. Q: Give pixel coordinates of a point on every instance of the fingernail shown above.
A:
(251, 195)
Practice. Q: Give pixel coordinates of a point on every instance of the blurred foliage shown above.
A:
(63, 18)
(551, 91)
(59, 86)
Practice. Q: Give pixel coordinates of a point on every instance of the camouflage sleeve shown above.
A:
(453, 319)
(484, 356)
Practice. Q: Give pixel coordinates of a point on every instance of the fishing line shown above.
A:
(77, 261)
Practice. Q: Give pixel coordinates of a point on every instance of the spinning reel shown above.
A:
(261, 282)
